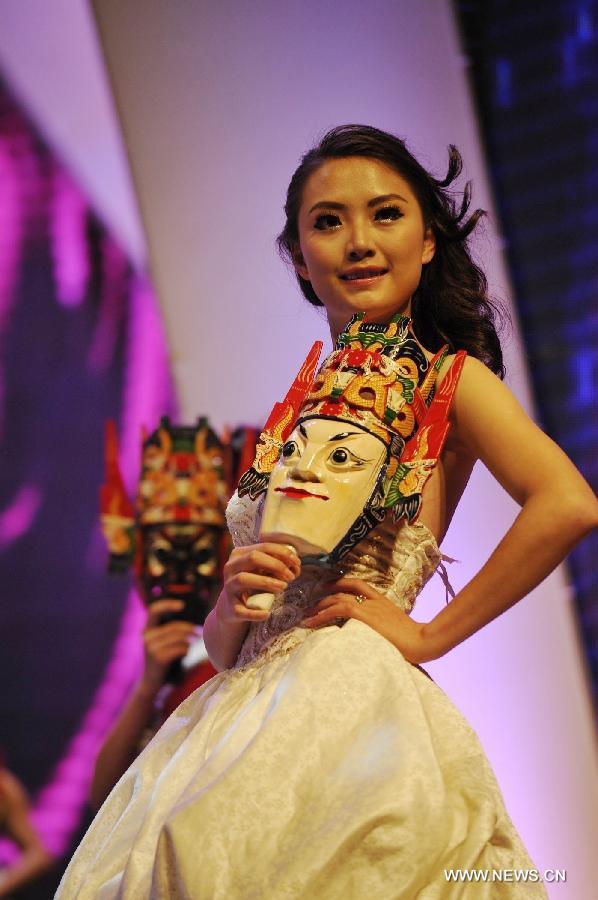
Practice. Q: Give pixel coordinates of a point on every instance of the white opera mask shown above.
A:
(324, 478)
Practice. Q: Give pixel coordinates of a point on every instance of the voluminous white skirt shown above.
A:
(336, 770)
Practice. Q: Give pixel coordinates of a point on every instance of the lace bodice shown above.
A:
(397, 560)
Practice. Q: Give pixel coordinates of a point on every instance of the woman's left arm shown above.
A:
(558, 509)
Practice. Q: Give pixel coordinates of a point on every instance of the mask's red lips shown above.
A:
(298, 493)
(179, 588)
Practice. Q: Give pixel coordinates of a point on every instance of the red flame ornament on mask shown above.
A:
(379, 382)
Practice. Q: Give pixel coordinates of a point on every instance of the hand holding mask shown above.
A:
(319, 487)
(356, 440)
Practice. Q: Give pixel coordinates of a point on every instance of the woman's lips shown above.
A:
(298, 493)
(362, 278)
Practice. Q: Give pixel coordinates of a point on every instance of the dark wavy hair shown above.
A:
(451, 304)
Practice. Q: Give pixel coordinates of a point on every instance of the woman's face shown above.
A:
(320, 485)
(362, 239)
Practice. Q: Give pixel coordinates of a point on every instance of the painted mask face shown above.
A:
(319, 487)
(174, 534)
(181, 562)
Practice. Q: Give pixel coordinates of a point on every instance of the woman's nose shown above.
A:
(359, 244)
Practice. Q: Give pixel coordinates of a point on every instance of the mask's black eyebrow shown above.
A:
(375, 201)
(344, 435)
(341, 436)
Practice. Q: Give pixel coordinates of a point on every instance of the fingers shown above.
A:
(234, 609)
(249, 583)
(178, 627)
(349, 588)
(332, 608)
(245, 614)
(231, 605)
(265, 568)
(285, 553)
(165, 643)
(354, 586)
(173, 637)
(164, 654)
(275, 560)
(177, 630)
(160, 608)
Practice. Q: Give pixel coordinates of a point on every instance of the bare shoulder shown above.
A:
(475, 376)
(490, 424)
(475, 388)
(485, 410)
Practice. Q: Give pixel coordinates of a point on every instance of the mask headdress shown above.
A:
(182, 476)
(182, 482)
(378, 379)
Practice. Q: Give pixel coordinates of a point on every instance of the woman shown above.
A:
(326, 764)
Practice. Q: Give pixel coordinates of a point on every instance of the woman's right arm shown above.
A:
(34, 859)
(250, 570)
(163, 643)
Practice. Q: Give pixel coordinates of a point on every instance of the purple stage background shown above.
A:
(81, 341)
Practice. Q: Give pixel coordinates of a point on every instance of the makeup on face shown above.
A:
(362, 239)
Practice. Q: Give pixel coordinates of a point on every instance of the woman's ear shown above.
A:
(429, 248)
(299, 262)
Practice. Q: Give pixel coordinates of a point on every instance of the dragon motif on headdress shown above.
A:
(379, 379)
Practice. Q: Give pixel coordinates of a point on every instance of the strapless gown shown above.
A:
(324, 766)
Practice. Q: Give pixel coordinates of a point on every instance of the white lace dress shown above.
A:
(323, 767)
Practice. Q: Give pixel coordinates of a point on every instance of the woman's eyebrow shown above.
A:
(332, 204)
(385, 197)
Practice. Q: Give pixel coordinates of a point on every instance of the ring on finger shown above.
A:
(360, 598)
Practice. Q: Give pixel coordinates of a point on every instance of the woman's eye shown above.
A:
(326, 220)
(388, 212)
(288, 449)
